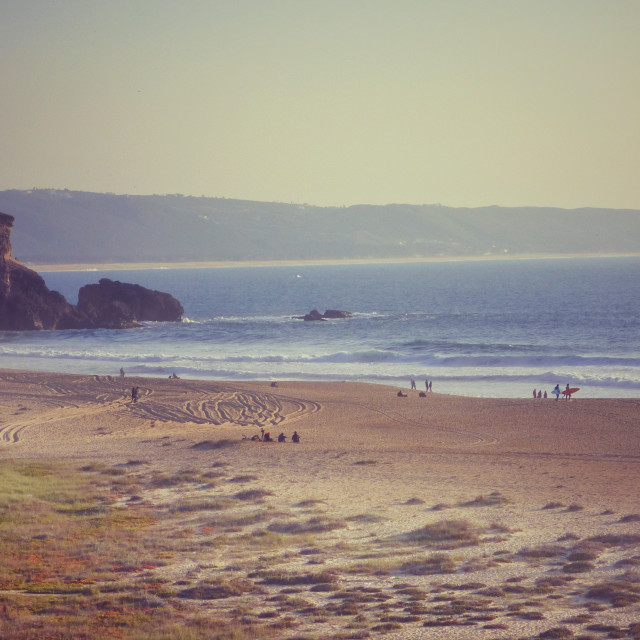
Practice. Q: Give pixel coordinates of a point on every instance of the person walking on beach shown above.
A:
(556, 391)
(413, 383)
(567, 393)
(426, 384)
(135, 392)
(431, 385)
(121, 372)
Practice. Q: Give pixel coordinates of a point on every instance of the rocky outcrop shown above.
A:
(110, 302)
(336, 313)
(314, 314)
(26, 303)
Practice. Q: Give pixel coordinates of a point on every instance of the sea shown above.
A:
(483, 328)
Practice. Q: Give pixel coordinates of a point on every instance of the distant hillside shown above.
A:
(78, 227)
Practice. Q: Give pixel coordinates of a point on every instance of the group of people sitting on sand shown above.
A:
(265, 436)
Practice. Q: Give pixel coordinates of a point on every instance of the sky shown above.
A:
(331, 102)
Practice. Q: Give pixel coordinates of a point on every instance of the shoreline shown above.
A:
(444, 388)
(219, 264)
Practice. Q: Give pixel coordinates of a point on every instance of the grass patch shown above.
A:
(319, 524)
(184, 476)
(305, 504)
(542, 551)
(553, 505)
(618, 593)
(63, 536)
(217, 590)
(280, 577)
(253, 495)
(203, 504)
(381, 566)
(434, 564)
(616, 540)
(445, 534)
(366, 518)
(492, 500)
(441, 506)
(242, 479)
(632, 517)
(211, 445)
(578, 567)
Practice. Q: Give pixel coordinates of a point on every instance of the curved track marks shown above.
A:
(53, 399)
(11, 433)
(243, 408)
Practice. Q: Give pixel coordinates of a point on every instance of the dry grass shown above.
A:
(95, 561)
(212, 445)
(64, 536)
(494, 499)
(281, 577)
(318, 524)
(632, 517)
(445, 534)
(542, 551)
(433, 564)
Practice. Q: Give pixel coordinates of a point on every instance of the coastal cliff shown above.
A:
(26, 303)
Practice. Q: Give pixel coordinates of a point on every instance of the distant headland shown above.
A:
(124, 231)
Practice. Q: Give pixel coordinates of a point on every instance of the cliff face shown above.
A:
(26, 303)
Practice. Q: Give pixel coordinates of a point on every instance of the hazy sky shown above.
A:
(330, 102)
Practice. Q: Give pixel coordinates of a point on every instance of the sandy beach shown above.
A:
(220, 264)
(412, 517)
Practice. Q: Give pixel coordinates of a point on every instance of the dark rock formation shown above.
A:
(27, 304)
(336, 313)
(314, 314)
(111, 302)
(25, 301)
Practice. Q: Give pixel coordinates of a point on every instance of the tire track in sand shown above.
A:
(60, 401)
(244, 408)
(91, 395)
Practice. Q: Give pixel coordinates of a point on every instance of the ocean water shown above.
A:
(475, 328)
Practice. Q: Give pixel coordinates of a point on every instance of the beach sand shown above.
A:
(218, 264)
(416, 517)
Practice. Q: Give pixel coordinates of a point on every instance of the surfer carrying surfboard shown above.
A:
(569, 391)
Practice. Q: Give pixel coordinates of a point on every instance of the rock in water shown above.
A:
(111, 300)
(337, 313)
(314, 315)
